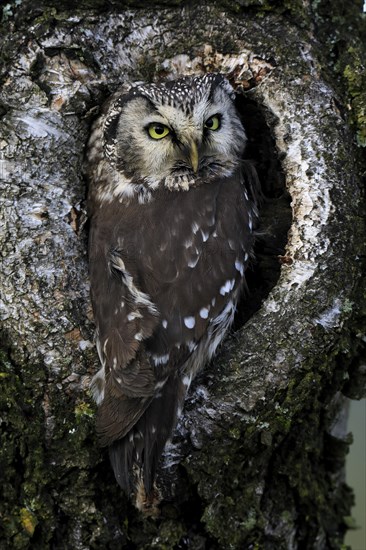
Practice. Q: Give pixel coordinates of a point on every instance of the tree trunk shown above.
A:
(257, 460)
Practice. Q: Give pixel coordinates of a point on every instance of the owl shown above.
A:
(172, 210)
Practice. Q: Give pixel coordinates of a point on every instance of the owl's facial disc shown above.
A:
(175, 144)
(185, 139)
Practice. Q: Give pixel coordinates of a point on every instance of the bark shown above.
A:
(257, 459)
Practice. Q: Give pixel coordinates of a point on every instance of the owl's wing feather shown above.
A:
(124, 316)
(116, 417)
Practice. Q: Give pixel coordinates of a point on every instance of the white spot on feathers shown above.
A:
(220, 325)
(226, 288)
(205, 235)
(159, 385)
(160, 359)
(195, 227)
(97, 386)
(187, 381)
(188, 243)
(189, 322)
(105, 346)
(134, 315)
(239, 266)
(192, 345)
(204, 313)
(193, 263)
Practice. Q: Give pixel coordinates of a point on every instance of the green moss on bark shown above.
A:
(21, 456)
(355, 76)
(45, 466)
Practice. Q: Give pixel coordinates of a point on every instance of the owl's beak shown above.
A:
(193, 156)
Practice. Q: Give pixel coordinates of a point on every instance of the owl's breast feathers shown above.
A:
(165, 278)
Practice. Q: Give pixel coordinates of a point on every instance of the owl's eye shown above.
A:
(157, 131)
(213, 123)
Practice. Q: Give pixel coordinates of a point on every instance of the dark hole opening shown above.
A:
(275, 210)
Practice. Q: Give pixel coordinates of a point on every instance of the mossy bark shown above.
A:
(257, 459)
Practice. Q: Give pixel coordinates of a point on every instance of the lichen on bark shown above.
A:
(257, 458)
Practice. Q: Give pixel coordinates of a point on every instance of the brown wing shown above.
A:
(124, 317)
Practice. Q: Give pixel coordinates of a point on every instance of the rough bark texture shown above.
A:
(257, 460)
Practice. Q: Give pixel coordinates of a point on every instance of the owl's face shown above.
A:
(175, 134)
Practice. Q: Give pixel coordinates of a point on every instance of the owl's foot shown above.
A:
(148, 503)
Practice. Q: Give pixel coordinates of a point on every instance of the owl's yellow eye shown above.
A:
(157, 131)
(213, 123)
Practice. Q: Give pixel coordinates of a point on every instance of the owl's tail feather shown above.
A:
(120, 454)
(158, 424)
(136, 456)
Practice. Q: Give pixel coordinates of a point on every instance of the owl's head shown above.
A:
(176, 133)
